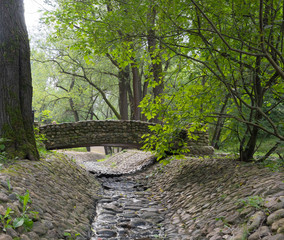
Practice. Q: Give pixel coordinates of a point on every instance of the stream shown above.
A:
(126, 211)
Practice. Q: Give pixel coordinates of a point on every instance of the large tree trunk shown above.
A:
(246, 154)
(156, 65)
(123, 78)
(74, 111)
(16, 123)
(156, 68)
(136, 90)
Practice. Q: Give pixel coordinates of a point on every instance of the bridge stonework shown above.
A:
(126, 133)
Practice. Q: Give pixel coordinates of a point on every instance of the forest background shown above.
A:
(182, 64)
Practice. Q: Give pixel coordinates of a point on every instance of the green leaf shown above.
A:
(28, 224)
(8, 211)
(26, 200)
(2, 147)
(18, 222)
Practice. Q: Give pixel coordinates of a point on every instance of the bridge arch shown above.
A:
(115, 133)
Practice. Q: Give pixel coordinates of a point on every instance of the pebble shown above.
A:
(133, 214)
(260, 233)
(255, 221)
(275, 216)
(3, 197)
(5, 237)
(278, 226)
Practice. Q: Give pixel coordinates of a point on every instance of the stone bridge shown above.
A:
(124, 133)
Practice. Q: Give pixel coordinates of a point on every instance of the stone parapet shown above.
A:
(126, 133)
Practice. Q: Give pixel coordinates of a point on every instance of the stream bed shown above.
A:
(126, 211)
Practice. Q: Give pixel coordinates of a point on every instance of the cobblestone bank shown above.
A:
(61, 192)
(218, 199)
(194, 199)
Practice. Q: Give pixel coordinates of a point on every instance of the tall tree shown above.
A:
(16, 121)
(122, 31)
(240, 44)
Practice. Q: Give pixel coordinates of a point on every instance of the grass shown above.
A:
(263, 146)
(79, 149)
(104, 159)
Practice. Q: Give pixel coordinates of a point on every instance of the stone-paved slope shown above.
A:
(61, 192)
(124, 162)
(204, 199)
(219, 199)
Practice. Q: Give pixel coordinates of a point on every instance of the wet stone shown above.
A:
(138, 222)
(125, 212)
(107, 212)
(105, 200)
(135, 208)
(112, 207)
(105, 218)
(106, 233)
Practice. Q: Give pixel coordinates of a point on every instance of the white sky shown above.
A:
(31, 13)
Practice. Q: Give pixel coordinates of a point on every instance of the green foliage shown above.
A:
(70, 236)
(9, 186)
(180, 108)
(24, 200)
(71, 87)
(2, 145)
(23, 220)
(6, 220)
(206, 51)
(80, 149)
(3, 154)
(3, 158)
(164, 141)
(40, 138)
(224, 221)
(273, 163)
(253, 201)
(104, 159)
(46, 117)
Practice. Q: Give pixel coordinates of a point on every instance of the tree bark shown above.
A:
(16, 123)
(156, 63)
(156, 67)
(71, 102)
(136, 90)
(123, 77)
(247, 153)
(219, 125)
